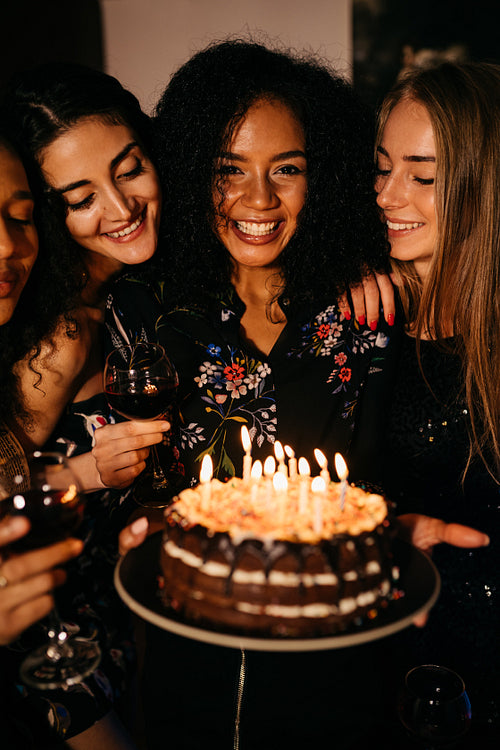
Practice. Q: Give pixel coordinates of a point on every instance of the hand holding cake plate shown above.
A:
(255, 569)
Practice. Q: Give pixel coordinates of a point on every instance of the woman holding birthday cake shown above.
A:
(268, 217)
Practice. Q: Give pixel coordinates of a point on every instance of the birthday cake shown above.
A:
(253, 558)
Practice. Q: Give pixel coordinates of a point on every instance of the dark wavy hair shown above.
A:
(43, 103)
(339, 233)
(35, 317)
(36, 107)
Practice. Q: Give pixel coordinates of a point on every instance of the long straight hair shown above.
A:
(462, 288)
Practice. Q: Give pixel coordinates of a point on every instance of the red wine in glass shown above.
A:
(54, 515)
(434, 707)
(47, 493)
(148, 401)
(140, 382)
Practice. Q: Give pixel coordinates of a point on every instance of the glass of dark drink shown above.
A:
(141, 382)
(434, 707)
(46, 492)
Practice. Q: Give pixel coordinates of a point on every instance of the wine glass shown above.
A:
(140, 382)
(47, 493)
(434, 707)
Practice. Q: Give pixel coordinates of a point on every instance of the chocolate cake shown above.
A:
(243, 557)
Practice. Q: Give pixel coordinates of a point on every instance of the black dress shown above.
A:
(425, 449)
(305, 393)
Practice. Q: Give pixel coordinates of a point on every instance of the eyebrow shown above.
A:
(276, 157)
(114, 162)
(414, 157)
(22, 195)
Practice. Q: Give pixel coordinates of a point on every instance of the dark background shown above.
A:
(35, 31)
(381, 29)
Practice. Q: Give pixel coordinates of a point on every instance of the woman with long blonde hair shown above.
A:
(438, 186)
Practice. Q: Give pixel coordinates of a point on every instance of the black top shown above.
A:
(305, 393)
(425, 449)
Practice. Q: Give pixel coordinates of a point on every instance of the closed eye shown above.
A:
(85, 203)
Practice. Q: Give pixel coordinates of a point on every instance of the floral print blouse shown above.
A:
(305, 393)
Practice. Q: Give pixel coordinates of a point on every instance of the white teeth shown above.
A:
(393, 225)
(124, 232)
(256, 229)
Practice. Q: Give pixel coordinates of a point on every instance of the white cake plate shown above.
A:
(136, 580)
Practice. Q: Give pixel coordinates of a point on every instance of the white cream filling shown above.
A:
(127, 230)
(258, 577)
(399, 227)
(316, 610)
(256, 229)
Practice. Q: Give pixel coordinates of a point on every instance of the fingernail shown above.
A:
(390, 319)
(347, 314)
(164, 425)
(373, 325)
(486, 540)
(139, 525)
(361, 320)
(76, 546)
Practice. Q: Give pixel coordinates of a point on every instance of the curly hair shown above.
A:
(339, 233)
(36, 107)
(35, 317)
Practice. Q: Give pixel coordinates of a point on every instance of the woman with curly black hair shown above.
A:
(269, 215)
(268, 218)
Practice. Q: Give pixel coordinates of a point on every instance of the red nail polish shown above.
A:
(347, 314)
(390, 319)
(373, 325)
(361, 320)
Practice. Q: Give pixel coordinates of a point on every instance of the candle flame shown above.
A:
(206, 469)
(304, 469)
(256, 472)
(340, 466)
(245, 439)
(70, 494)
(289, 452)
(318, 484)
(280, 482)
(278, 451)
(269, 466)
(320, 458)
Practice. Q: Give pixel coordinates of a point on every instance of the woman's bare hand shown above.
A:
(121, 449)
(425, 532)
(366, 298)
(27, 580)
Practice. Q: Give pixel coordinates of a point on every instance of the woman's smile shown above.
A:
(261, 185)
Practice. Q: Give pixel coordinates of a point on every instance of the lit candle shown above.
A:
(304, 474)
(341, 469)
(269, 470)
(280, 457)
(205, 479)
(292, 462)
(256, 474)
(247, 458)
(318, 488)
(321, 459)
(280, 483)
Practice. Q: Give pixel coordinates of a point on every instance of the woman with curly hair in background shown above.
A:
(265, 162)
